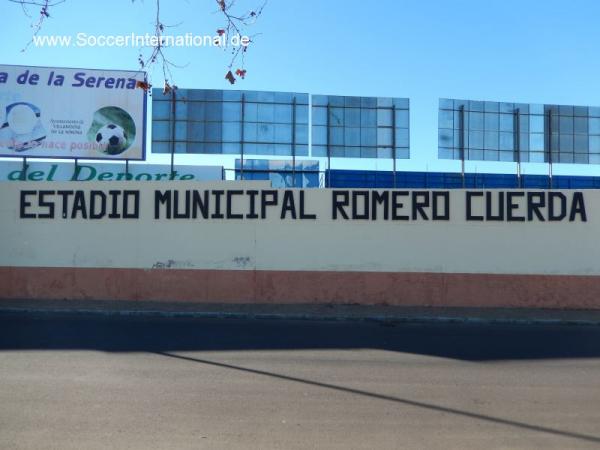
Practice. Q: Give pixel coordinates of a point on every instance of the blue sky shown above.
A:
(525, 51)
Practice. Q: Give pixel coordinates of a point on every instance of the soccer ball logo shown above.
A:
(111, 138)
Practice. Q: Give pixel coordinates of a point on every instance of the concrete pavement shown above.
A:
(76, 381)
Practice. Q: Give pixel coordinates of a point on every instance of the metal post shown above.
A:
(242, 137)
(394, 143)
(461, 142)
(173, 117)
(517, 143)
(550, 147)
(294, 142)
(328, 149)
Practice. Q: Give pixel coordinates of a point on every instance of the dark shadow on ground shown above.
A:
(391, 398)
(481, 342)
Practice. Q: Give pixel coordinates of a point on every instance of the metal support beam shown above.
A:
(242, 138)
(461, 142)
(517, 143)
(550, 148)
(24, 171)
(173, 118)
(294, 142)
(328, 148)
(394, 143)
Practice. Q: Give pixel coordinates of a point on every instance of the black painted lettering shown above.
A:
(418, 206)
(217, 214)
(535, 201)
(200, 203)
(489, 201)
(441, 197)
(230, 195)
(127, 195)
(398, 205)
(512, 206)
(288, 204)
(340, 204)
(267, 198)
(555, 215)
(114, 196)
(94, 197)
(46, 204)
(65, 202)
(380, 199)
(23, 214)
(252, 214)
(578, 207)
(79, 205)
(469, 205)
(303, 214)
(162, 198)
(356, 195)
(177, 214)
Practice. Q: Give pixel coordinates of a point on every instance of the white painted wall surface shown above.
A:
(454, 246)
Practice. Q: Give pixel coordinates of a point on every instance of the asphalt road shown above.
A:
(73, 382)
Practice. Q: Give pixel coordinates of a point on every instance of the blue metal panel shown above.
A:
(453, 180)
(536, 181)
(499, 181)
(573, 182)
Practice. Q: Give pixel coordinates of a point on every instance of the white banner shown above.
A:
(94, 171)
(72, 113)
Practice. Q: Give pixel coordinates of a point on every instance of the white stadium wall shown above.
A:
(242, 242)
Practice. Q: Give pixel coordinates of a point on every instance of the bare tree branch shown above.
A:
(44, 6)
(42, 3)
(235, 24)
